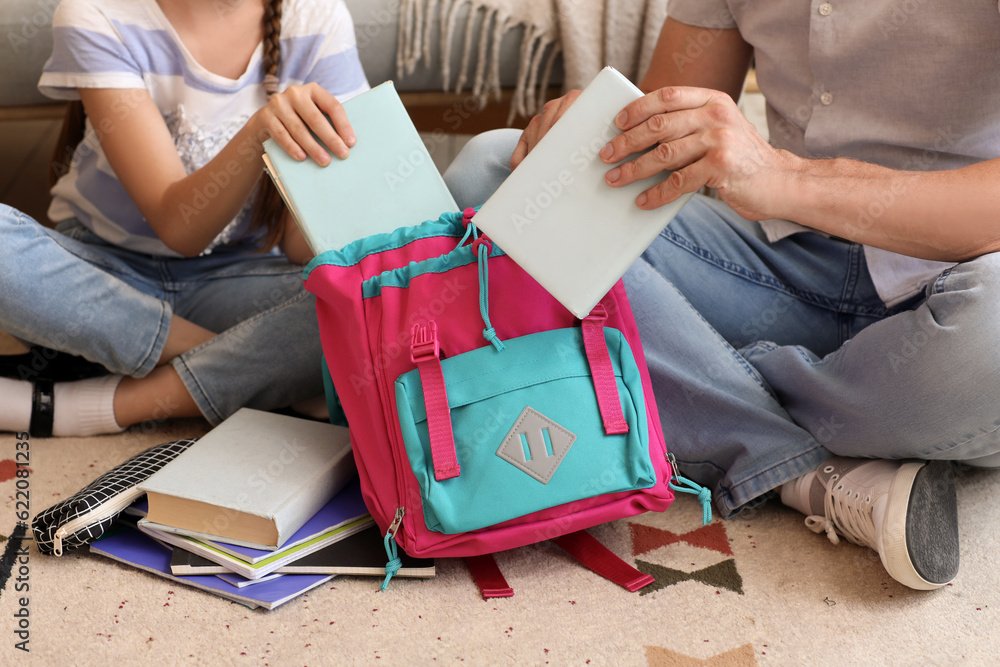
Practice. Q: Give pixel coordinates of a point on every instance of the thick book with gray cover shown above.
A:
(254, 479)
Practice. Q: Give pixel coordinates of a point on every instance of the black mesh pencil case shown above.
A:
(84, 516)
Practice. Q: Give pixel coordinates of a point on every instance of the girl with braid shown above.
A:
(173, 264)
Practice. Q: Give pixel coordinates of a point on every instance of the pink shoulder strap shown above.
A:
(426, 354)
(602, 371)
(488, 577)
(582, 546)
(586, 548)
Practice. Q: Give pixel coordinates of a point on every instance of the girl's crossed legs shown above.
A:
(206, 335)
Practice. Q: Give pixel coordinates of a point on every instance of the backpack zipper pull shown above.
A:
(395, 562)
(704, 495)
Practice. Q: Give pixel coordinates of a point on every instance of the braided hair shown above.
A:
(268, 206)
(272, 45)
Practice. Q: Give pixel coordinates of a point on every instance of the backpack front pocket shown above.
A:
(528, 432)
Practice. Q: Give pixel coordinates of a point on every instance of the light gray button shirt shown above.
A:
(908, 84)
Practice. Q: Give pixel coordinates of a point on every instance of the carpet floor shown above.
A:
(759, 589)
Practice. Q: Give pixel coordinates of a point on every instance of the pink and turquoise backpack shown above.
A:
(483, 414)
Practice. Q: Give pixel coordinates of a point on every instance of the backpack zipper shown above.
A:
(383, 387)
(687, 486)
(394, 561)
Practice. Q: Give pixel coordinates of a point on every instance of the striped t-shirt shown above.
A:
(130, 44)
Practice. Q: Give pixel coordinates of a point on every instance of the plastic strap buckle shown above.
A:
(424, 343)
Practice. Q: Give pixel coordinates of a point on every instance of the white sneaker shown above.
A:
(904, 510)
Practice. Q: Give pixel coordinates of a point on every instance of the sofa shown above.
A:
(26, 43)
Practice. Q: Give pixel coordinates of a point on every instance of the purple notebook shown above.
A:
(134, 548)
(345, 507)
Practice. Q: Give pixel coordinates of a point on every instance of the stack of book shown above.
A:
(261, 509)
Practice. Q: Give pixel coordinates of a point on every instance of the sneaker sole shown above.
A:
(920, 535)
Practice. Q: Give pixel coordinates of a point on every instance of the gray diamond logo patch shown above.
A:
(536, 445)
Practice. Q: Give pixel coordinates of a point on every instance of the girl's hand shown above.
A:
(289, 116)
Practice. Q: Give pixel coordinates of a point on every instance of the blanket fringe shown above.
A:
(539, 49)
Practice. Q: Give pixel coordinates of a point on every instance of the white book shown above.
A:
(557, 217)
(255, 478)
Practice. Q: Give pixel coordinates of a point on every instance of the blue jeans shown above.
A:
(769, 358)
(72, 291)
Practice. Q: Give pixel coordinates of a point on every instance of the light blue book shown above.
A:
(388, 181)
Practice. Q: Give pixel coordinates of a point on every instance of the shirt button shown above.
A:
(826, 99)
(825, 9)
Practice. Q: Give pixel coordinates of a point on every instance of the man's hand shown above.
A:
(703, 138)
(540, 124)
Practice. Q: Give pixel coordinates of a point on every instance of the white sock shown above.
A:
(85, 407)
(795, 494)
(15, 405)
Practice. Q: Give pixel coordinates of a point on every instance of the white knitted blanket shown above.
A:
(588, 34)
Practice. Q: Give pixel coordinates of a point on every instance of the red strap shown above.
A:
(602, 371)
(584, 547)
(488, 577)
(426, 354)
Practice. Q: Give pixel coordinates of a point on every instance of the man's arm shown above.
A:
(951, 215)
(700, 134)
(703, 138)
(721, 63)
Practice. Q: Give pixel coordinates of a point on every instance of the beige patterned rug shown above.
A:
(759, 589)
